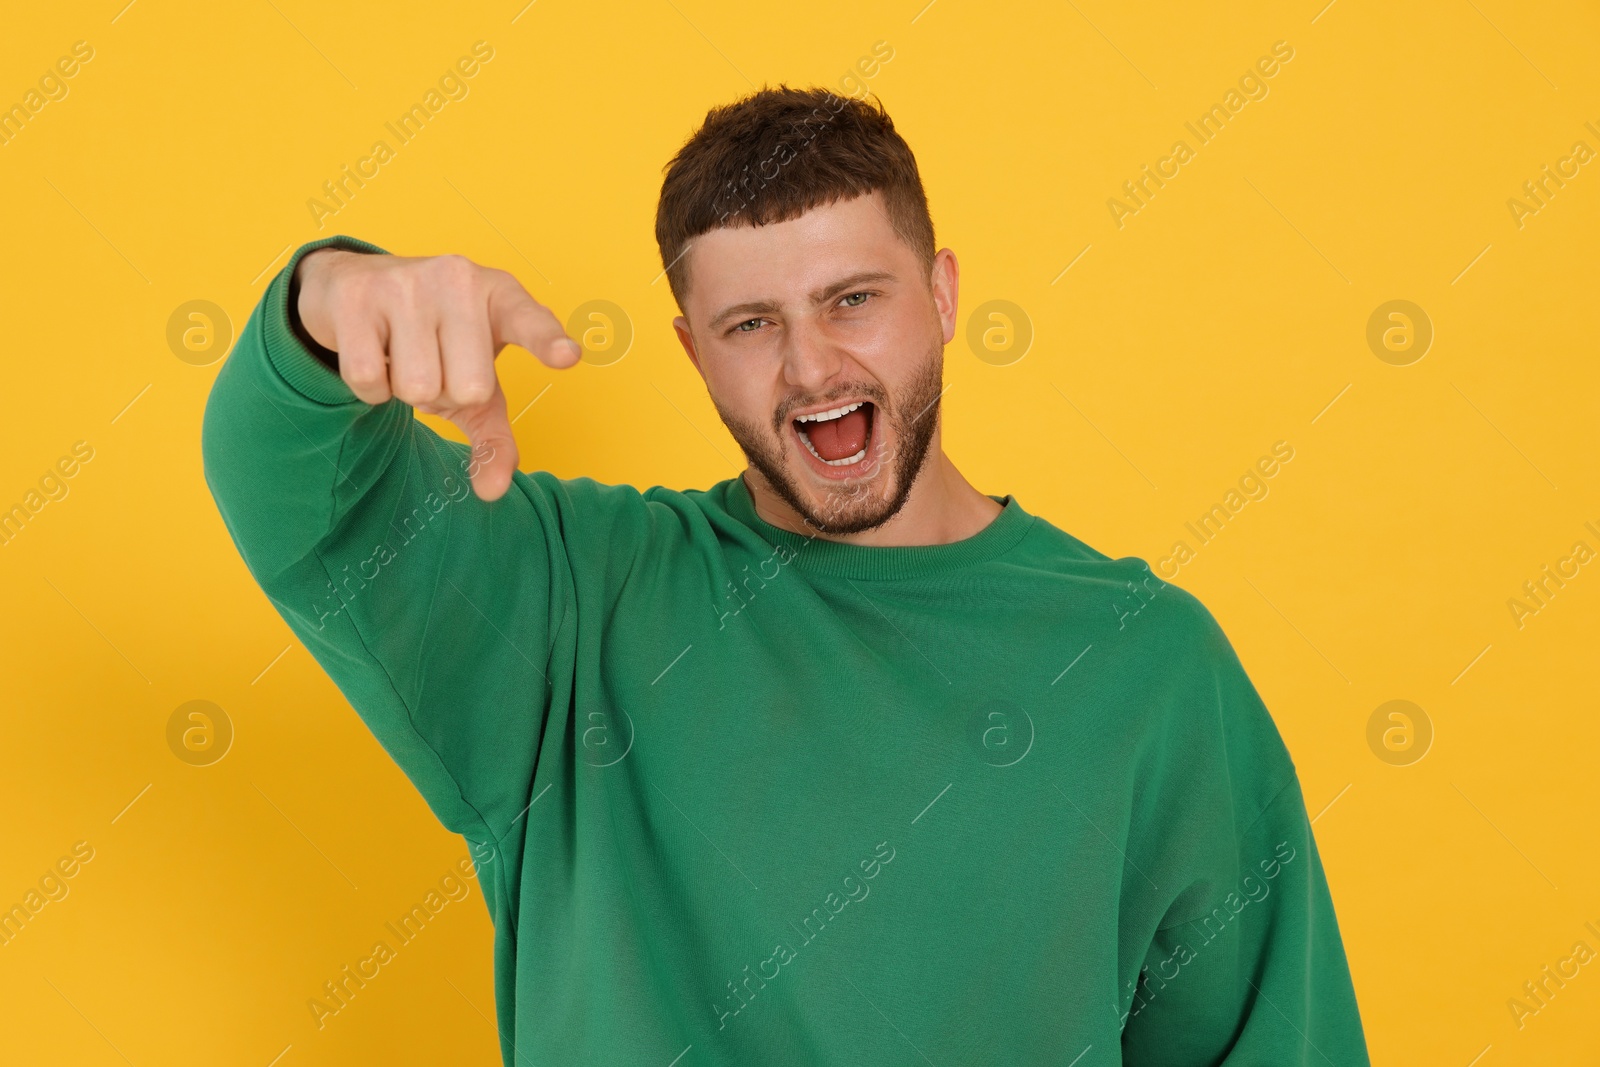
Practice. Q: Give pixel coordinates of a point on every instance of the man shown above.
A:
(840, 761)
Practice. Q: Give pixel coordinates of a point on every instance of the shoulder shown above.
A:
(1218, 705)
(1124, 597)
(1178, 678)
(1163, 631)
(1050, 544)
(1210, 758)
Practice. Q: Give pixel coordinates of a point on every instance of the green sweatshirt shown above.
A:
(740, 796)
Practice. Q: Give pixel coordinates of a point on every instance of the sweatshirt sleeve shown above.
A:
(1260, 977)
(433, 611)
(1246, 966)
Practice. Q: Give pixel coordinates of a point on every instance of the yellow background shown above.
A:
(1226, 315)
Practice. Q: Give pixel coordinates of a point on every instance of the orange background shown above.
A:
(1167, 355)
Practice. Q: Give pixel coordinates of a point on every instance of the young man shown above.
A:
(840, 761)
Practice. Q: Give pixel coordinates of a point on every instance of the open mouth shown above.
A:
(839, 439)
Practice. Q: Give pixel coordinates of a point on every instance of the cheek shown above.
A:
(891, 346)
(743, 388)
(897, 353)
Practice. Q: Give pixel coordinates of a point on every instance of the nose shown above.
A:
(810, 359)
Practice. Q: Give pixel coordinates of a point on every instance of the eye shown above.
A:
(852, 301)
(746, 325)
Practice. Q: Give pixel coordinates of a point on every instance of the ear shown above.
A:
(681, 326)
(945, 283)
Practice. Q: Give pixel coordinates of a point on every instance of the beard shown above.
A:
(860, 503)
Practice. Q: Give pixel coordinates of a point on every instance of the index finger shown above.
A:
(515, 317)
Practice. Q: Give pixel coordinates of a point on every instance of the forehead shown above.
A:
(789, 259)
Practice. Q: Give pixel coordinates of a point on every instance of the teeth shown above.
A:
(829, 416)
(847, 461)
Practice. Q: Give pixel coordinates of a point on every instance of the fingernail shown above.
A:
(571, 346)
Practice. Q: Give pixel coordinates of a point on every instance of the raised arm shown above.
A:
(433, 609)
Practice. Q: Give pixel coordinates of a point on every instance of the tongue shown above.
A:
(840, 438)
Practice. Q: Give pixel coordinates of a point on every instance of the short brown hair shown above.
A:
(775, 155)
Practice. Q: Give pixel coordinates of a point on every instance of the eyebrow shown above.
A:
(818, 297)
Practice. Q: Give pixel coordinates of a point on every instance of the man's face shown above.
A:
(831, 315)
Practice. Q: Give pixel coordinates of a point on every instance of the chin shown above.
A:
(846, 498)
(865, 505)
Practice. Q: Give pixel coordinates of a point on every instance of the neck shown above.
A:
(942, 507)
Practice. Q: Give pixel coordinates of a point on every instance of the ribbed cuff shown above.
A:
(291, 356)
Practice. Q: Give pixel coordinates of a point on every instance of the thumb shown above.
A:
(494, 448)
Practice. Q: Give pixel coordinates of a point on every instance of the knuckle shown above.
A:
(415, 390)
(407, 290)
(358, 287)
(395, 289)
(474, 391)
(454, 270)
(361, 374)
